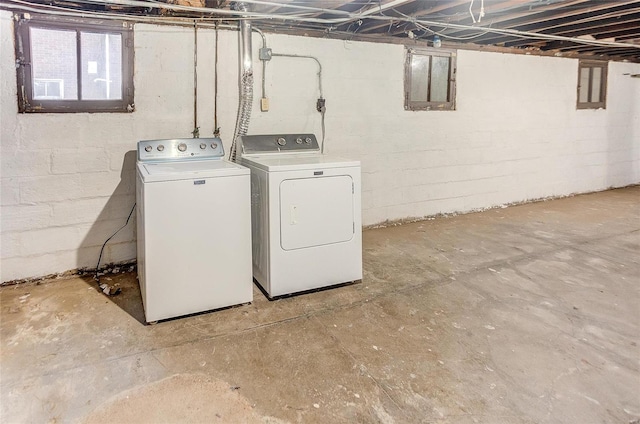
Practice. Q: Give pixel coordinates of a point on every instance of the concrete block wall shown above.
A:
(515, 135)
(68, 179)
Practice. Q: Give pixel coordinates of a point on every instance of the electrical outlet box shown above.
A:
(264, 53)
(264, 104)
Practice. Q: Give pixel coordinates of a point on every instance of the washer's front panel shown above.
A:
(179, 149)
(316, 211)
(197, 245)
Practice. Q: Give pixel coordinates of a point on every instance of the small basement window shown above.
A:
(592, 84)
(73, 65)
(429, 79)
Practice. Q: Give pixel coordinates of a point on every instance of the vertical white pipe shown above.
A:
(107, 67)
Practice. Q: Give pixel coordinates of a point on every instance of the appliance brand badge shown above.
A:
(199, 182)
(318, 172)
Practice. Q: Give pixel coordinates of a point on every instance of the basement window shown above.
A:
(429, 79)
(73, 65)
(592, 84)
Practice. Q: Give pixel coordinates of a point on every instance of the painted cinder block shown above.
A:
(80, 160)
(39, 242)
(52, 188)
(68, 180)
(83, 211)
(25, 217)
(10, 191)
(23, 163)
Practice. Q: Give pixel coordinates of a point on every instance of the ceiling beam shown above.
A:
(531, 14)
(547, 22)
(499, 6)
(603, 29)
(588, 23)
(631, 38)
(338, 5)
(441, 6)
(600, 51)
(503, 5)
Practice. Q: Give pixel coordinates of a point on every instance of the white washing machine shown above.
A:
(193, 228)
(306, 214)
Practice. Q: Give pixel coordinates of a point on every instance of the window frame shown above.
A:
(591, 64)
(27, 103)
(451, 89)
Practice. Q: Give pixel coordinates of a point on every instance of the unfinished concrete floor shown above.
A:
(528, 314)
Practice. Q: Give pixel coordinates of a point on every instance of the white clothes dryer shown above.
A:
(193, 228)
(306, 214)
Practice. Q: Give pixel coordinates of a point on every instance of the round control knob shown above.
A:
(160, 148)
(148, 148)
(182, 147)
(203, 146)
(214, 145)
(307, 140)
(281, 141)
(299, 140)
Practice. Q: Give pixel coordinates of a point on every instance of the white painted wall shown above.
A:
(68, 179)
(516, 133)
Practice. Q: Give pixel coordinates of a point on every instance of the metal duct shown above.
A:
(245, 42)
(246, 80)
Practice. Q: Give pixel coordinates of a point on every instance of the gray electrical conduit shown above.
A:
(306, 57)
(264, 72)
(264, 62)
(322, 111)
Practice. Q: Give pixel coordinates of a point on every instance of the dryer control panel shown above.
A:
(278, 143)
(180, 149)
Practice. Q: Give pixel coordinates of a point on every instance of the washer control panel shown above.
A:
(180, 149)
(278, 143)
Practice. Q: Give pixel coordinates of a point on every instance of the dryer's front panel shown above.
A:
(316, 211)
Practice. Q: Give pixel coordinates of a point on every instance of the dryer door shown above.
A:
(316, 211)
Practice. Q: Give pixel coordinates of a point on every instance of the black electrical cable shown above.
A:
(104, 287)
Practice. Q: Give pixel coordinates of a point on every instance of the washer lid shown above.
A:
(295, 162)
(171, 171)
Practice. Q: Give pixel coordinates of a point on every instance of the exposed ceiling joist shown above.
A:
(605, 28)
(554, 24)
(532, 13)
(376, 26)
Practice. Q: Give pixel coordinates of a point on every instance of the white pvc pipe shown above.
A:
(107, 67)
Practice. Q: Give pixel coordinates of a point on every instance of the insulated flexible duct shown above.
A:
(246, 82)
(244, 111)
